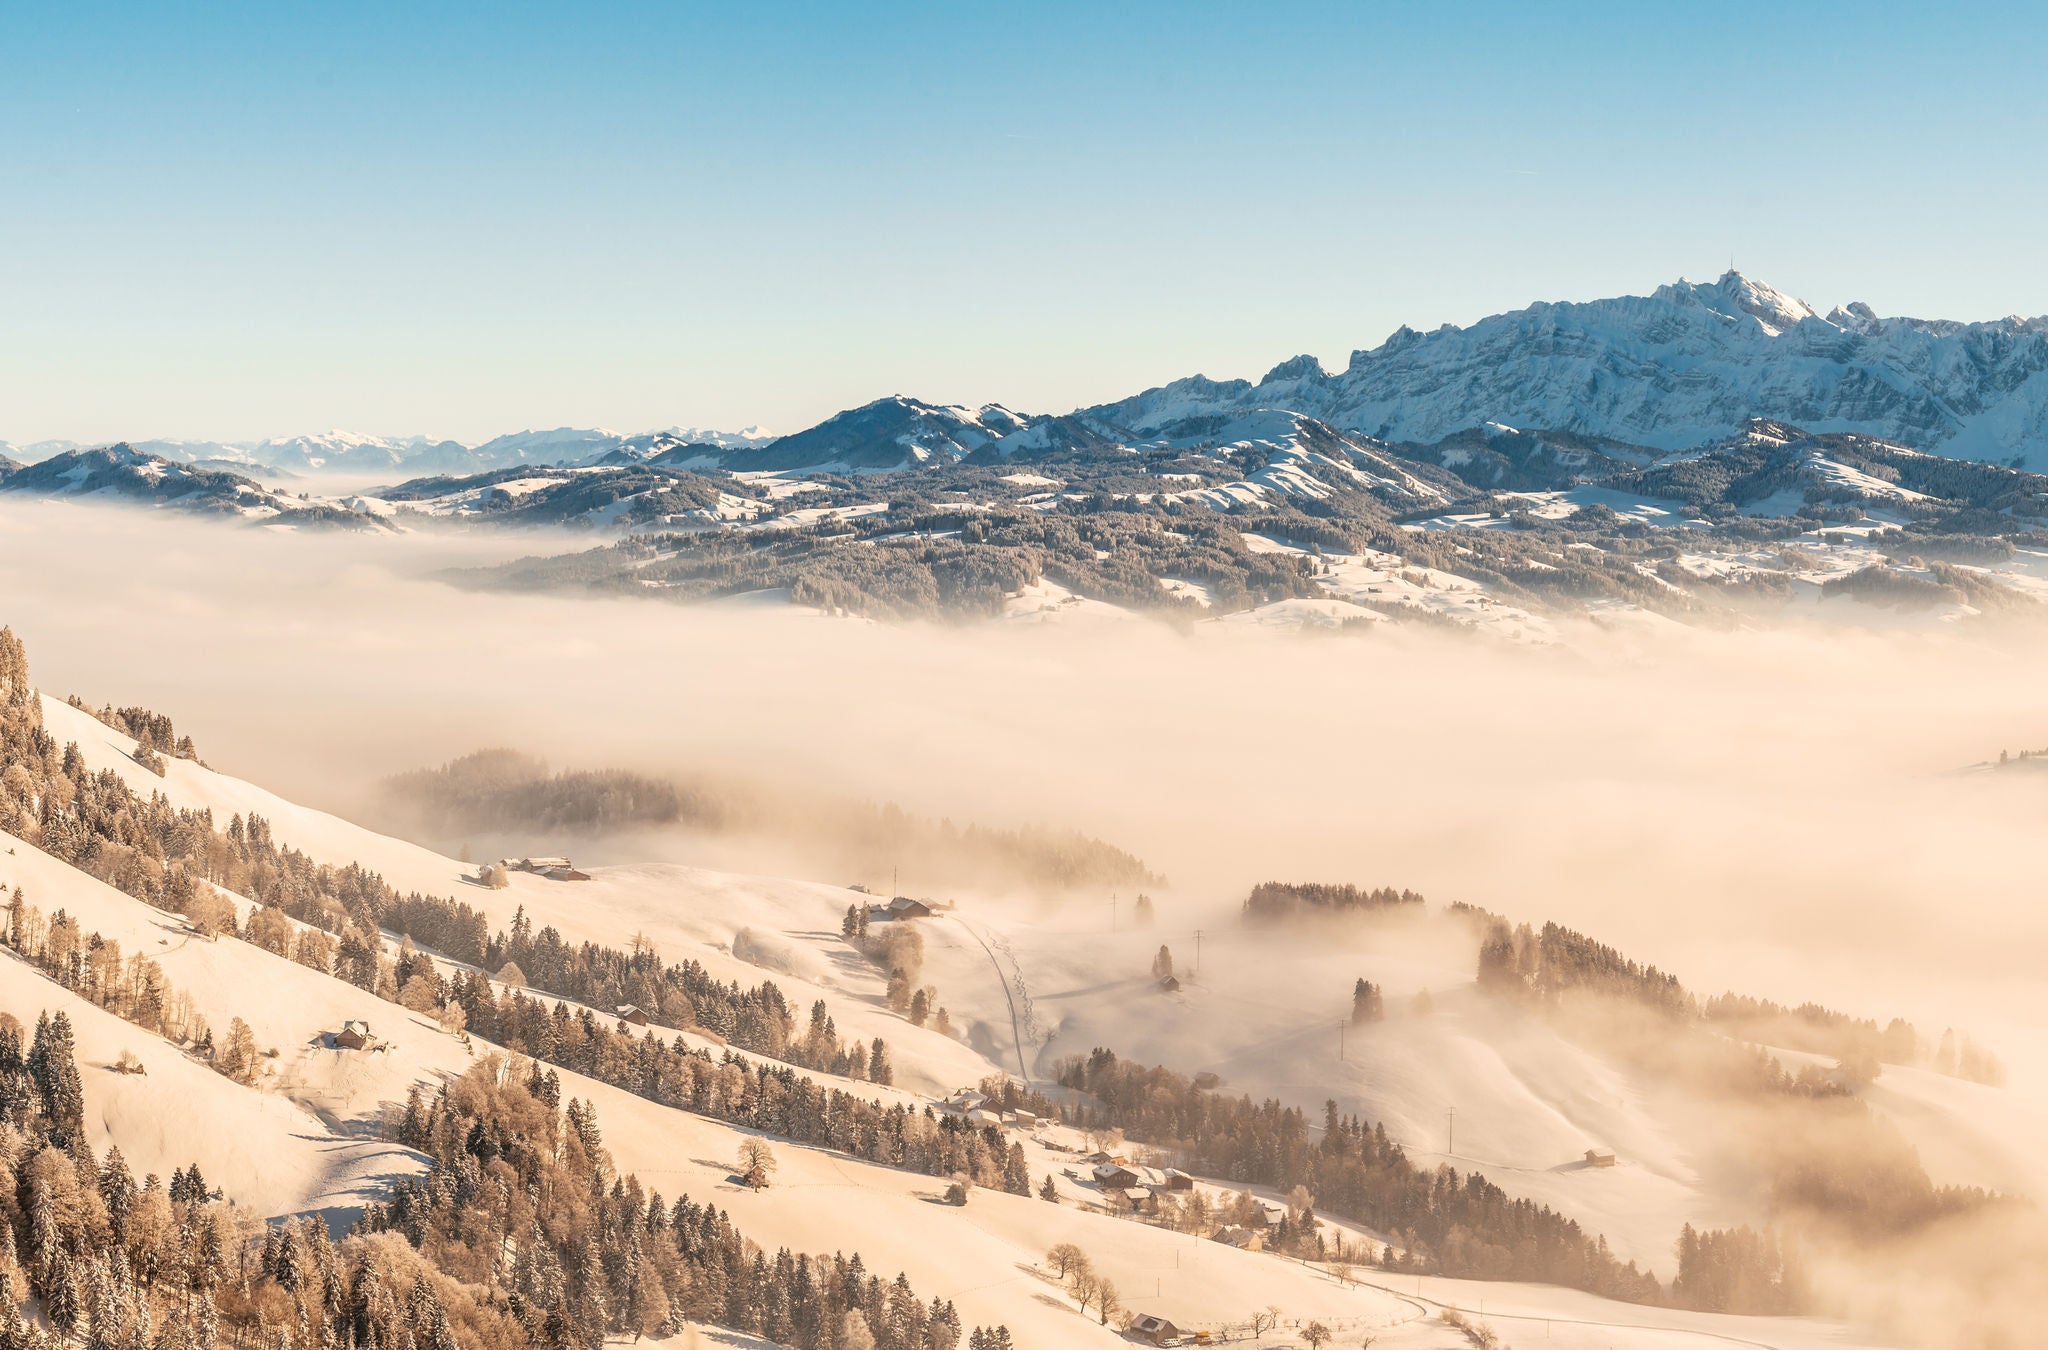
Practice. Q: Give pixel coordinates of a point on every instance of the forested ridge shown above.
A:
(521, 1233)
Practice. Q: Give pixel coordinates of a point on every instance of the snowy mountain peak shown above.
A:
(1738, 297)
(1296, 369)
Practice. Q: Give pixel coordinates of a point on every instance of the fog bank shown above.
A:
(1773, 810)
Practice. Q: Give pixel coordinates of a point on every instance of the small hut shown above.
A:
(354, 1036)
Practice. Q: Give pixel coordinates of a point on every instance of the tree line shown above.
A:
(1435, 1220)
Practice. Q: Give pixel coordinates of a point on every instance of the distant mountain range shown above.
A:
(341, 452)
(1680, 367)
(1684, 366)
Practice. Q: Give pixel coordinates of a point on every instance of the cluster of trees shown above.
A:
(759, 1020)
(152, 731)
(898, 949)
(1536, 567)
(114, 1263)
(1367, 1004)
(523, 1205)
(1440, 1221)
(1277, 901)
(1880, 584)
(1089, 1287)
(507, 790)
(1553, 964)
(771, 1098)
(871, 835)
(135, 989)
(1738, 1270)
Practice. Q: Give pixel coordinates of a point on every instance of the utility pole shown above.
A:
(895, 882)
(1340, 1042)
(1112, 911)
(1198, 953)
(1451, 1131)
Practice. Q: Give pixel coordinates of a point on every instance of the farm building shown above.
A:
(1267, 1215)
(1599, 1157)
(565, 873)
(1177, 1180)
(902, 907)
(1154, 1330)
(1240, 1237)
(354, 1036)
(630, 1014)
(964, 1101)
(1114, 1176)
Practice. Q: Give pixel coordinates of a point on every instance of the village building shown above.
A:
(964, 1101)
(1177, 1180)
(1240, 1237)
(1114, 1176)
(1267, 1215)
(981, 1115)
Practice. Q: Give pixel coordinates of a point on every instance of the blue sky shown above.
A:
(460, 220)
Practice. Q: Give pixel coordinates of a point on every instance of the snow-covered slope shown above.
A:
(1684, 365)
(125, 474)
(890, 433)
(303, 1138)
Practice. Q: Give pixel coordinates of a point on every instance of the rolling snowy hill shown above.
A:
(306, 1137)
(122, 473)
(1025, 987)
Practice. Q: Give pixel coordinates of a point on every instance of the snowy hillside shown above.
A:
(890, 433)
(121, 473)
(322, 1109)
(1028, 989)
(1686, 364)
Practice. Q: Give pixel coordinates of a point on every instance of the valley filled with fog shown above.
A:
(1781, 809)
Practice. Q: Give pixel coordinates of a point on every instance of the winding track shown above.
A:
(1009, 997)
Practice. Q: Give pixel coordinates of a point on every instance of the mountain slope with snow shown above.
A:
(1686, 364)
(304, 1137)
(121, 473)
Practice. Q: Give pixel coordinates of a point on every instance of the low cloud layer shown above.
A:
(1772, 810)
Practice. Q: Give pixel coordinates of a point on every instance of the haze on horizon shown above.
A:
(253, 223)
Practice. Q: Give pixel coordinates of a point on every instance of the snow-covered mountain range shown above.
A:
(350, 453)
(1684, 365)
